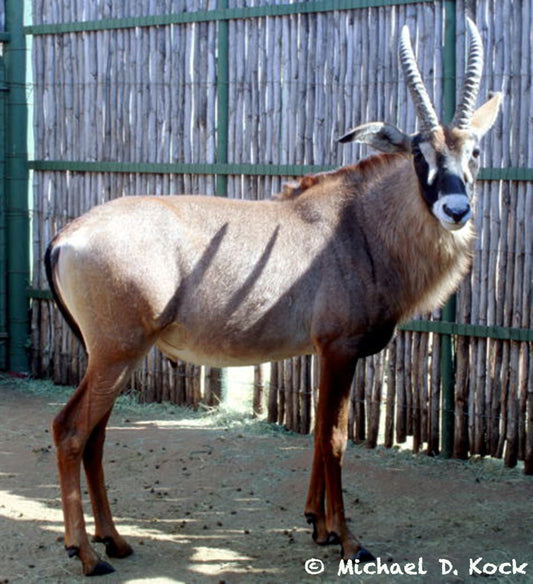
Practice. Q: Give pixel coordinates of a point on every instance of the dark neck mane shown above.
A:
(367, 171)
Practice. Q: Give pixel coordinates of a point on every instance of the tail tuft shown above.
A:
(51, 257)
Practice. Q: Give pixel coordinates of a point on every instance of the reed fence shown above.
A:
(175, 96)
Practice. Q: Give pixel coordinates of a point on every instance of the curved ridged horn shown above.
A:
(424, 108)
(467, 103)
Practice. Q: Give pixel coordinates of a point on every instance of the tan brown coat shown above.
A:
(330, 266)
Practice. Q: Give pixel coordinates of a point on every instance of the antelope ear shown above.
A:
(485, 116)
(380, 136)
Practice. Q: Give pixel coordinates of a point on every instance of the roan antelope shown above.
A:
(330, 266)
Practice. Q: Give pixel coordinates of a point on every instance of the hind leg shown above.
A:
(86, 412)
(105, 530)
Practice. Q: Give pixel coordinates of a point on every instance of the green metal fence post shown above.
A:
(16, 207)
(447, 364)
(222, 125)
(3, 267)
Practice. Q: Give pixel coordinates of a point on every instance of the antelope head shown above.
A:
(445, 158)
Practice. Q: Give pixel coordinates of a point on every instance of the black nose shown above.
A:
(456, 212)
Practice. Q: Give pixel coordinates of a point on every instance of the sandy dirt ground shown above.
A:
(209, 498)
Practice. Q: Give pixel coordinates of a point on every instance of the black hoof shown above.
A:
(333, 539)
(111, 548)
(101, 569)
(315, 532)
(72, 551)
(364, 556)
(310, 517)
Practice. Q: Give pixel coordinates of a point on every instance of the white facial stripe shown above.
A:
(431, 159)
(465, 163)
(467, 174)
(468, 148)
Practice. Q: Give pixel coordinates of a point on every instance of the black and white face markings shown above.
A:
(447, 175)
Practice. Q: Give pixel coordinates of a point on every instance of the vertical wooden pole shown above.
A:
(259, 390)
(16, 208)
(273, 392)
(449, 311)
(222, 124)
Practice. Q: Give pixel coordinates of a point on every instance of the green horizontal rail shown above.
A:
(213, 15)
(501, 333)
(180, 168)
(511, 173)
(40, 294)
(516, 174)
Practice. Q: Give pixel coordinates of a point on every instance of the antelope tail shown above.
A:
(51, 258)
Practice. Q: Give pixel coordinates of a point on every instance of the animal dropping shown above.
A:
(329, 266)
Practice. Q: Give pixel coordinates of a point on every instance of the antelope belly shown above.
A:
(176, 344)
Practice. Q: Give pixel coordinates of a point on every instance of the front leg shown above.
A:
(315, 512)
(337, 366)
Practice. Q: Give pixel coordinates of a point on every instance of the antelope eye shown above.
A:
(476, 152)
